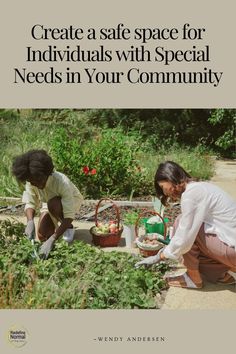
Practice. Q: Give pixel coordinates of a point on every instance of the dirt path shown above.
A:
(225, 176)
(212, 296)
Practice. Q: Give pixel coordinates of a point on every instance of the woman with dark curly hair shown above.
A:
(204, 234)
(57, 196)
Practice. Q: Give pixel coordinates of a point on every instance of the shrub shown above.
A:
(106, 165)
(224, 123)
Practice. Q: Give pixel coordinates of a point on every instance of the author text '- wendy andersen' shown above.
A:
(130, 339)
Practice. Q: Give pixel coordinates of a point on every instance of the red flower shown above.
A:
(86, 170)
(93, 171)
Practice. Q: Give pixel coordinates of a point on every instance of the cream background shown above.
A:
(73, 331)
(19, 17)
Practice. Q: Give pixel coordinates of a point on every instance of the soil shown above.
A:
(171, 212)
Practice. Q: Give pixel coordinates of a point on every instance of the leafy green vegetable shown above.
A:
(75, 276)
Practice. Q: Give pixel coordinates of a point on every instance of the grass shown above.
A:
(198, 162)
(18, 136)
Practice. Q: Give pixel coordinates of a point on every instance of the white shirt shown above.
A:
(203, 202)
(58, 185)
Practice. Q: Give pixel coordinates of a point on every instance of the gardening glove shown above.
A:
(30, 230)
(46, 247)
(150, 260)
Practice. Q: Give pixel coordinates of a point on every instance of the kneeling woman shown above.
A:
(204, 234)
(53, 191)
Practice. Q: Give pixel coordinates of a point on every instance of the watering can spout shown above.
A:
(158, 206)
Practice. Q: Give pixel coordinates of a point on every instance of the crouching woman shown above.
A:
(205, 232)
(52, 192)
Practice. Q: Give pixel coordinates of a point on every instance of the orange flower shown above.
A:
(86, 170)
(93, 171)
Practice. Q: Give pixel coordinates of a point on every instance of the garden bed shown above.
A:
(78, 276)
(16, 208)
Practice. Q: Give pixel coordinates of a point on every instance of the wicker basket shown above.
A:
(108, 239)
(148, 250)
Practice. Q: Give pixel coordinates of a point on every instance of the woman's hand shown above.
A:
(46, 247)
(30, 229)
(151, 260)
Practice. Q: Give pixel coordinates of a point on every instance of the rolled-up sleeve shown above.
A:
(30, 197)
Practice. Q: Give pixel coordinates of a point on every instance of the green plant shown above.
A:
(19, 135)
(198, 162)
(74, 277)
(106, 165)
(115, 152)
(26, 129)
(131, 217)
(224, 121)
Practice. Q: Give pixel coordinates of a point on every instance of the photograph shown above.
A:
(118, 209)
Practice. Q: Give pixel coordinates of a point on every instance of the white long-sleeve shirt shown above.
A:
(203, 202)
(58, 185)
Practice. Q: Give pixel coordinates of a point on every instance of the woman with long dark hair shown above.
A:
(204, 234)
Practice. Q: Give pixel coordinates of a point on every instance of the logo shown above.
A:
(17, 336)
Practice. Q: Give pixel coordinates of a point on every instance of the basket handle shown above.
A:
(150, 212)
(114, 205)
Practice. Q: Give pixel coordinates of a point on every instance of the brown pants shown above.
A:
(209, 255)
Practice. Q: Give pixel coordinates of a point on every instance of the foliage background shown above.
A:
(121, 146)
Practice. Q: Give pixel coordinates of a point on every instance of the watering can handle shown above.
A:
(114, 205)
(149, 212)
